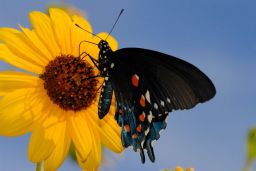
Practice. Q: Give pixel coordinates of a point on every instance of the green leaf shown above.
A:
(251, 144)
(72, 153)
(251, 148)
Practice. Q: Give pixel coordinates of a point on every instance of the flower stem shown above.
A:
(38, 166)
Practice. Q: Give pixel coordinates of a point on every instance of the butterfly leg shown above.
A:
(80, 44)
(94, 61)
(95, 76)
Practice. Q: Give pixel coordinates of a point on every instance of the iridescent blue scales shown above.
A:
(147, 86)
(141, 121)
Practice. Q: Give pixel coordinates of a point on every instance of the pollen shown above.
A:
(70, 83)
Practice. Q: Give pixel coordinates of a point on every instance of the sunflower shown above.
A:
(54, 94)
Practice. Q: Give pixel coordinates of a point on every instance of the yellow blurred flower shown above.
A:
(178, 168)
(52, 98)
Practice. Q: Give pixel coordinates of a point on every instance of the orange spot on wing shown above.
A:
(139, 128)
(142, 117)
(127, 128)
(135, 136)
(135, 80)
(142, 101)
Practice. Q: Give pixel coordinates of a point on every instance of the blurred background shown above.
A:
(218, 36)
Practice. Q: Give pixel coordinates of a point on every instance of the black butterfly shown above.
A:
(147, 86)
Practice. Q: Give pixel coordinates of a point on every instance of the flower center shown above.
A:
(69, 83)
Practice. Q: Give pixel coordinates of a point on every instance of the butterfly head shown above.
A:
(103, 45)
(105, 50)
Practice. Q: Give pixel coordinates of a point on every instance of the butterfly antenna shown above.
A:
(115, 23)
(87, 31)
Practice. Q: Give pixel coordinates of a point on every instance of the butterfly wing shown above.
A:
(148, 85)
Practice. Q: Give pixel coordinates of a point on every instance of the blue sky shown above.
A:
(218, 36)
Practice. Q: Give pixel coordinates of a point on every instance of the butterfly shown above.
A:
(147, 85)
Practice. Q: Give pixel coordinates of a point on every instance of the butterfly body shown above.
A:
(104, 67)
(147, 86)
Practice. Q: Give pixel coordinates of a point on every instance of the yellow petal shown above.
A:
(178, 168)
(37, 43)
(81, 135)
(42, 25)
(62, 141)
(44, 141)
(110, 138)
(110, 120)
(110, 132)
(61, 23)
(54, 116)
(79, 35)
(21, 46)
(40, 147)
(94, 158)
(17, 61)
(12, 30)
(12, 80)
(16, 113)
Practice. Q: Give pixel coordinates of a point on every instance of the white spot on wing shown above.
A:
(168, 100)
(150, 117)
(153, 142)
(112, 65)
(106, 78)
(147, 96)
(161, 131)
(155, 106)
(137, 77)
(142, 142)
(147, 131)
(162, 102)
